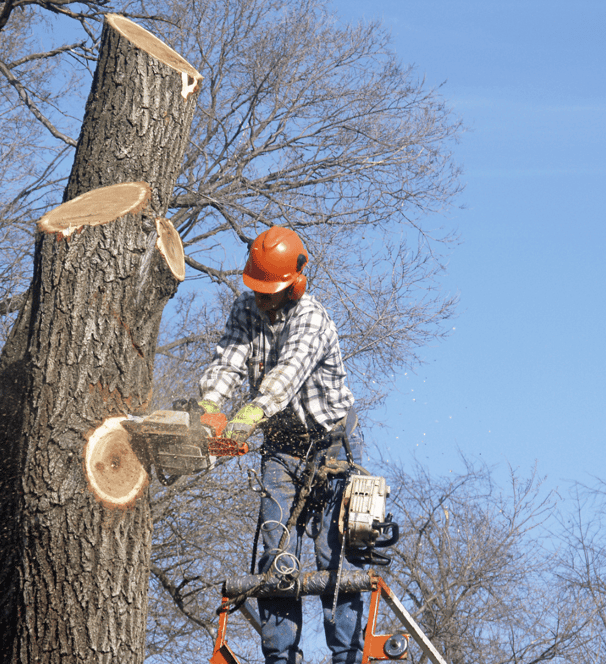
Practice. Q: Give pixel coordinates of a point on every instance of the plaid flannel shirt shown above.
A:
(294, 363)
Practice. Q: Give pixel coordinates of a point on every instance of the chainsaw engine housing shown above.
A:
(177, 447)
(363, 521)
(367, 496)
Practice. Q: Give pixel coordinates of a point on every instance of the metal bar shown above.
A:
(371, 624)
(252, 616)
(310, 583)
(409, 622)
(222, 654)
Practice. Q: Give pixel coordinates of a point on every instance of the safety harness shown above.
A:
(322, 465)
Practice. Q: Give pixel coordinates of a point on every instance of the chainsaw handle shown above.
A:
(215, 421)
(387, 526)
(367, 556)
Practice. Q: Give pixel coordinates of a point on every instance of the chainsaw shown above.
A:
(183, 442)
(363, 524)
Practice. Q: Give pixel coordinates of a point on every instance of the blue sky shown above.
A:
(521, 378)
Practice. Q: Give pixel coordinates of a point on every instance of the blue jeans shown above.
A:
(282, 618)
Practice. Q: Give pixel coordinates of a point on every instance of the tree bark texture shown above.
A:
(135, 112)
(74, 574)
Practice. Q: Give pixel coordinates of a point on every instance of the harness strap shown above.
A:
(339, 435)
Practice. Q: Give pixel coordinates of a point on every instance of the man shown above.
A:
(285, 342)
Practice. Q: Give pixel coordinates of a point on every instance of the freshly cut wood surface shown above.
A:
(170, 246)
(96, 207)
(149, 43)
(114, 473)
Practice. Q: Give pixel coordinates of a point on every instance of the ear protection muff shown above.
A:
(298, 286)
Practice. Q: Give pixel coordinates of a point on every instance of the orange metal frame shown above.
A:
(374, 644)
(222, 654)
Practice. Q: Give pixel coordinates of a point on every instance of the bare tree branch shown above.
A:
(25, 97)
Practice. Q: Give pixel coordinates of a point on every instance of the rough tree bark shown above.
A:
(138, 115)
(73, 580)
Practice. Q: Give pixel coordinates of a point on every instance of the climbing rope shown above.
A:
(309, 475)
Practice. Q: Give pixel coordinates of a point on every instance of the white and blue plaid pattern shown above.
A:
(296, 362)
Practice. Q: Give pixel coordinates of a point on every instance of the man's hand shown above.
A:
(192, 406)
(245, 421)
(209, 406)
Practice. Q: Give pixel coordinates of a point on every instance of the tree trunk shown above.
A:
(138, 115)
(74, 574)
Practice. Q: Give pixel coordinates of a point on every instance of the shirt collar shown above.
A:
(281, 315)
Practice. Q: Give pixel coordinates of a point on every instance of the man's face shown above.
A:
(268, 302)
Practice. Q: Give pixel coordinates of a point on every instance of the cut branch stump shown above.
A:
(140, 106)
(169, 244)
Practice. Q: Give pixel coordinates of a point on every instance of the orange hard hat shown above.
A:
(275, 260)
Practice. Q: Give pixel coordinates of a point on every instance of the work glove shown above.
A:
(191, 406)
(245, 421)
(209, 406)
